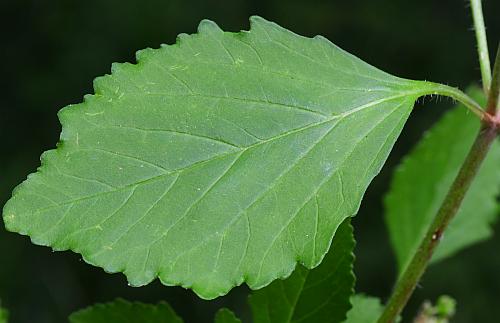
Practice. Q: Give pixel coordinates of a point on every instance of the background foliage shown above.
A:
(52, 50)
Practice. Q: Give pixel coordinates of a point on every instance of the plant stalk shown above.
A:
(493, 107)
(482, 44)
(451, 204)
(413, 272)
(456, 94)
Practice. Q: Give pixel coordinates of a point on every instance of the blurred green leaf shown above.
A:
(223, 159)
(122, 311)
(422, 180)
(365, 309)
(318, 295)
(226, 316)
(4, 315)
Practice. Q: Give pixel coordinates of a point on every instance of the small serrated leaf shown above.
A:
(365, 309)
(309, 296)
(422, 180)
(122, 311)
(226, 316)
(225, 158)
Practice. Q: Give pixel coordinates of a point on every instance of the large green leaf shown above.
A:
(225, 158)
(121, 311)
(226, 316)
(423, 179)
(365, 309)
(318, 295)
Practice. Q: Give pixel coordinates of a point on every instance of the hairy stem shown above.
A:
(414, 271)
(482, 44)
(410, 277)
(456, 94)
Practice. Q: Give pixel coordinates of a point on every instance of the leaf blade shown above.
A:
(4, 315)
(365, 309)
(205, 138)
(317, 295)
(122, 311)
(226, 316)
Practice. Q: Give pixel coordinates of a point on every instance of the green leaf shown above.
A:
(318, 295)
(226, 316)
(4, 315)
(422, 180)
(122, 311)
(225, 158)
(365, 309)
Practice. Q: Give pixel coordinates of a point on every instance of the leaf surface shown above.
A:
(365, 309)
(4, 315)
(122, 311)
(225, 158)
(226, 316)
(318, 295)
(422, 180)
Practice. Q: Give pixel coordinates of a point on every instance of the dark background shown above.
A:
(52, 50)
